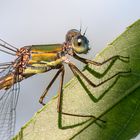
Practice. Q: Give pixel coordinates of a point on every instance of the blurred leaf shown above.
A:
(117, 101)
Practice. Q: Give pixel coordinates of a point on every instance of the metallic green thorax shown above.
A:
(47, 48)
(43, 58)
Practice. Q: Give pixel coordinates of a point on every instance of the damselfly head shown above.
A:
(71, 34)
(79, 42)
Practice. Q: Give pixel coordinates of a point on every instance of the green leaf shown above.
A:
(117, 101)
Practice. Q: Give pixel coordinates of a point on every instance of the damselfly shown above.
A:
(34, 59)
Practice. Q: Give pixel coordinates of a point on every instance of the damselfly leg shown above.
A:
(50, 84)
(76, 71)
(87, 61)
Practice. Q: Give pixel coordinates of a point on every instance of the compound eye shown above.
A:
(79, 42)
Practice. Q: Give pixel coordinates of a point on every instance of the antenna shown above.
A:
(85, 31)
